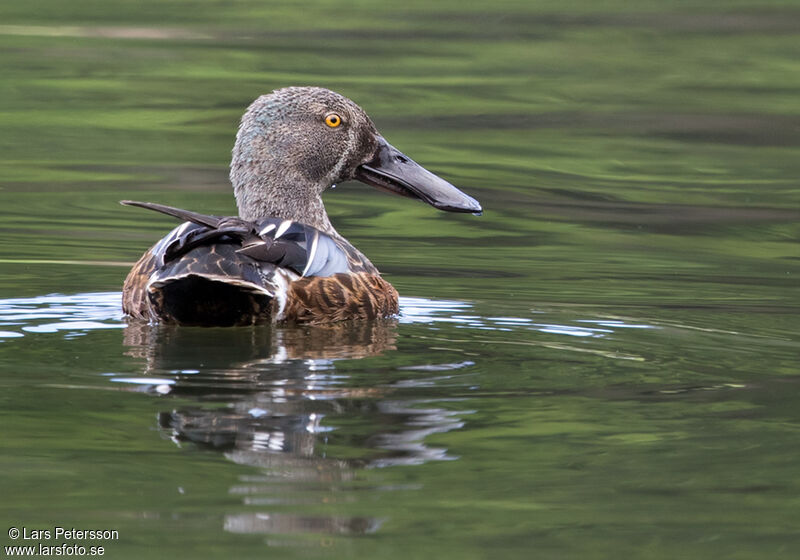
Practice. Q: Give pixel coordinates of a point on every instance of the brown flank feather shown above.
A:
(340, 297)
(134, 291)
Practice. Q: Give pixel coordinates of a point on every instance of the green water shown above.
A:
(603, 365)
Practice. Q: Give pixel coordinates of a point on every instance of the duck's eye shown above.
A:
(333, 120)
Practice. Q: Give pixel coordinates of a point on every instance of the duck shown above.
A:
(280, 260)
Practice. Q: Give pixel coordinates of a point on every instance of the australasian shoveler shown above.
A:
(281, 259)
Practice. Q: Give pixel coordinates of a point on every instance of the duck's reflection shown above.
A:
(272, 398)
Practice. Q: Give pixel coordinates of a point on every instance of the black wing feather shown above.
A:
(283, 243)
(185, 215)
(281, 253)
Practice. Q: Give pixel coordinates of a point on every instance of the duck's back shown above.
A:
(226, 271)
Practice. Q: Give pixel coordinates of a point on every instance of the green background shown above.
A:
(604, 365)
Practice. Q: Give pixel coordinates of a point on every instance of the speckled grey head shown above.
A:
(296, 142)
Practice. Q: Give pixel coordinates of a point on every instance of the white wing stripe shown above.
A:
(182, 229)
(312, 252)
(285, 224)
(267, 229)
(164, 242)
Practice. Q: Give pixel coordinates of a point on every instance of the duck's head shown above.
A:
(296, 142)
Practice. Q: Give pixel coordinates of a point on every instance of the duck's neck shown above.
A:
(263, 190)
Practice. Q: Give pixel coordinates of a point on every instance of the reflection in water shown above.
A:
(282, 400)
(285, 524)
(270, 397)
(278, 384)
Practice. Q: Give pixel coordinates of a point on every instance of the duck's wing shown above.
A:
(261, 257)
(181, 214)
(284, 243)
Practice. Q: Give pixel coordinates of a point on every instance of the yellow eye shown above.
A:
(333, 120)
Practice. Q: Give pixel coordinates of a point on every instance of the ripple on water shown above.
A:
(73, 314)
(283, 392)
(79, 313)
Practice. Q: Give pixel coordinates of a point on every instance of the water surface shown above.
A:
(605, 364)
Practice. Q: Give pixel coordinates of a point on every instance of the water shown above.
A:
(602, 365)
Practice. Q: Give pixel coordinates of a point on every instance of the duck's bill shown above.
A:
(391, 170)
